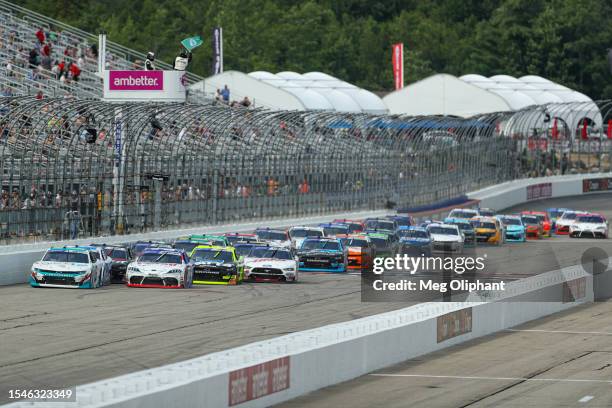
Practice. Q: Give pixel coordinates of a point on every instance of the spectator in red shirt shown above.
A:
(75, 71)
(40, 34)
(39, 95)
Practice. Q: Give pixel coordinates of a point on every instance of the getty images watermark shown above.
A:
(551, 271)
(436, 274)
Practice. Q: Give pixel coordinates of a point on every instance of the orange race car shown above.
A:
(543, 217)
(361, 252)
(533, 226)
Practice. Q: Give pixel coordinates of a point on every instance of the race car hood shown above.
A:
(214, 263)
(415, 241)
(61, 266)
(321, 252)
(154, 268)
(445, 238)
(275, 242)
(270, 263)
(562, 221)
(588, 225)
(514, 228)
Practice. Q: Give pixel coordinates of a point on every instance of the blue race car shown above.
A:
(414, 241)
(466, 227)
(402, 220)
(322, 255)
(514, 227)
(331, 229)
(554, 214)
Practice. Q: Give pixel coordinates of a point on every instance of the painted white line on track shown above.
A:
(461, 377)
(586, 398)
(561, 331)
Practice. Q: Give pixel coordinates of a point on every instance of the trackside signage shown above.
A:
(259, 380)
(454, 324)
(136, 80)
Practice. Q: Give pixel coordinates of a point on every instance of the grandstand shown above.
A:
(19, 37)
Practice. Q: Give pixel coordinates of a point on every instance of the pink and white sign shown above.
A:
(136, 80)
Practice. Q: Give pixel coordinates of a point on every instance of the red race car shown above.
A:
(543, 217)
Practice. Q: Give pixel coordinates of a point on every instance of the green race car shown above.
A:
(216, 265)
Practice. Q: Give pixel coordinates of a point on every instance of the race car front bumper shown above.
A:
(60, 280)
(140, 281)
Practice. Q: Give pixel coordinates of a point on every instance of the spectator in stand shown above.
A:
(246, 102)
(4, 200)
(564, 163)
(304, 188)
(40, 95)
(46, 50)
(10, 67)
(218, 96)
(33, 59)
(182, 60)
(225, 94)
(149, 66)
(75, 71)
(40, 34)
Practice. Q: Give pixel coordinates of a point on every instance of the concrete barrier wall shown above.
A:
(317, 358)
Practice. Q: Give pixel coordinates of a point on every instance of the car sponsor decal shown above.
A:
(259, 380)
(596, 184)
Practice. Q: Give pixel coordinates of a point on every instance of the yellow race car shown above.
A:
(488, 230)
(216, 265)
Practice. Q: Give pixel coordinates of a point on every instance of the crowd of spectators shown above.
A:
(223, 96)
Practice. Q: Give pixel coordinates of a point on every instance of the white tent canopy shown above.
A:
(472, 94)
(310, 91)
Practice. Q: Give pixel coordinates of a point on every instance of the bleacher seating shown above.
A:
(18, 38)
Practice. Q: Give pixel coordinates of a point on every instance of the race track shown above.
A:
(51, 338)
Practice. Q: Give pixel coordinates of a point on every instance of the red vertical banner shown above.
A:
(584, 132)
(609, 132)
(398, 65)
(555, 130)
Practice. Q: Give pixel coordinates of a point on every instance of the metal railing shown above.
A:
(85, 168)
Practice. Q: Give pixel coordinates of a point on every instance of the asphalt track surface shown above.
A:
(53, 338)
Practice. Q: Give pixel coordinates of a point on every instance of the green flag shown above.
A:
(192, 42)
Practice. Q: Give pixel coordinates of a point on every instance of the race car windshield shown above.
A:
(272, 235)
(556, 214)
(160, 258)
(67, 256)
(384, 225)
(531, 219)
(487, 213)
(352, 242)
(463, 214)
(335, 230)
(483, 224)
(354, 227)
(593, 219)
(141, 247)
(413, 234)
(303, 233)
(379, 242)
(541, 217)
(243, 249)
(569, 216)
(237, 238)
(511, 221)
(403, 222)
(115, 253)
(210, 254)
(443, 231)
(187, 246)
(464, 226)
(263, 252)
(312, 244)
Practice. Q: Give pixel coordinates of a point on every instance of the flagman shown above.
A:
(182, 60)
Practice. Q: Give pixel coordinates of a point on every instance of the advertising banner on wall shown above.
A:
(139, 85)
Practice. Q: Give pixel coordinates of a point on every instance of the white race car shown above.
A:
(70, 267)
(160, 268)
(299, 234)
(446, 237)
(589, 225)
(271, 264)
(562, 225)
(274, 237)
(464, 213)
